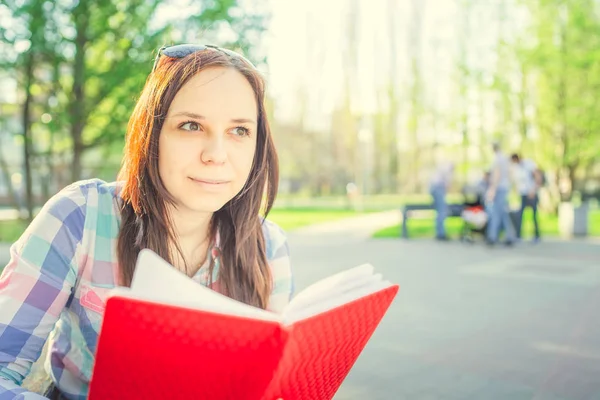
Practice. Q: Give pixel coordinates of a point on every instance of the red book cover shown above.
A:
(212, 347)
(321, 350)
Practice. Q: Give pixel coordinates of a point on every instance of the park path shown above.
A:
(469, 322)
(354, 228)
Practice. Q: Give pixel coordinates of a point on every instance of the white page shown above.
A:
(158, 281)
(341, 289)
(326, 287)
(155, 280)
(326, 304)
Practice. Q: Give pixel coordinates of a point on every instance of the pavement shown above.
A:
(469, 322)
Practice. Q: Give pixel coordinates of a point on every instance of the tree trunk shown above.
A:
(416, 92)
(523, 123)
(26, 122)
(572, 170)
(7, 178)
(464, 81)
(393, 99)
(561, 108)
(50, 159)
(77, 106)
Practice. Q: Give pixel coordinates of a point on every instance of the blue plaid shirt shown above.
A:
(56, 282)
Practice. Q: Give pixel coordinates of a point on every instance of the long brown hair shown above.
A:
(243, 273)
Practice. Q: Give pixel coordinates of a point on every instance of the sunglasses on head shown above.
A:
(184, 50)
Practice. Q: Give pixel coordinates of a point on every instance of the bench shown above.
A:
(454, 210)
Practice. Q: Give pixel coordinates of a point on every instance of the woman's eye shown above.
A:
(190, 126)
(240, 131)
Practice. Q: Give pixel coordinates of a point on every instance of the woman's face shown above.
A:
(208, 140)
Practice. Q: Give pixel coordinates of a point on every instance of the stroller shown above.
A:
(474, 216)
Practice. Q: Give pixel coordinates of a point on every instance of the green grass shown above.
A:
(286, 218)
(293, 218)
(419, 228)
(372, 202)
(11, 230)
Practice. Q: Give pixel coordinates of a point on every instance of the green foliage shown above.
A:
(93, 57)
(11, 230)
(420, 228)
(540, 96)
(565, 62)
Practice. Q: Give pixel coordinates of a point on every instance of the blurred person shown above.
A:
(482, 187)
(528, 184)
(497, 198)
(198, 159)
(352, 194)
(438, 188)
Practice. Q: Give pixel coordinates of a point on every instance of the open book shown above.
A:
(170, 337)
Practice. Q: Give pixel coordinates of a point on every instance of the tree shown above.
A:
(416, 91)
(88, 60)
(566, 68)
(33, 16)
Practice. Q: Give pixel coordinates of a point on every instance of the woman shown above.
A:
(199, 163)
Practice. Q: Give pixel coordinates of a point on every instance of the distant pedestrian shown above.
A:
(528, 184)
(497, 198)
(482, 187)
(438, 187)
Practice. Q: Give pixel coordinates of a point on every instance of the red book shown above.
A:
(168, 337)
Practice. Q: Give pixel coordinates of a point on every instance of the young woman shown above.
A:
(199, 164)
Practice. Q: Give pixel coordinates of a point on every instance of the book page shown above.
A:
(334, 291)
(158, 281)
(336, 300)
(327, 286)
(341, 288)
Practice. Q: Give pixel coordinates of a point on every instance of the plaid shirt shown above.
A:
(59, 274)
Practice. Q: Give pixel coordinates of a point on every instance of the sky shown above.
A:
(308, 55)
(306, 49)
(306, 44)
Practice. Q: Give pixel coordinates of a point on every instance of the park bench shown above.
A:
(454, 210)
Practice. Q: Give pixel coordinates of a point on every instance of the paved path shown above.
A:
(361, 226)
(469, 322)
(472, 322)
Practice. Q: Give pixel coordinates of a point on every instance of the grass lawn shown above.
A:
(426, 227)
(292, 218)
(11, 230)
(286, 218)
